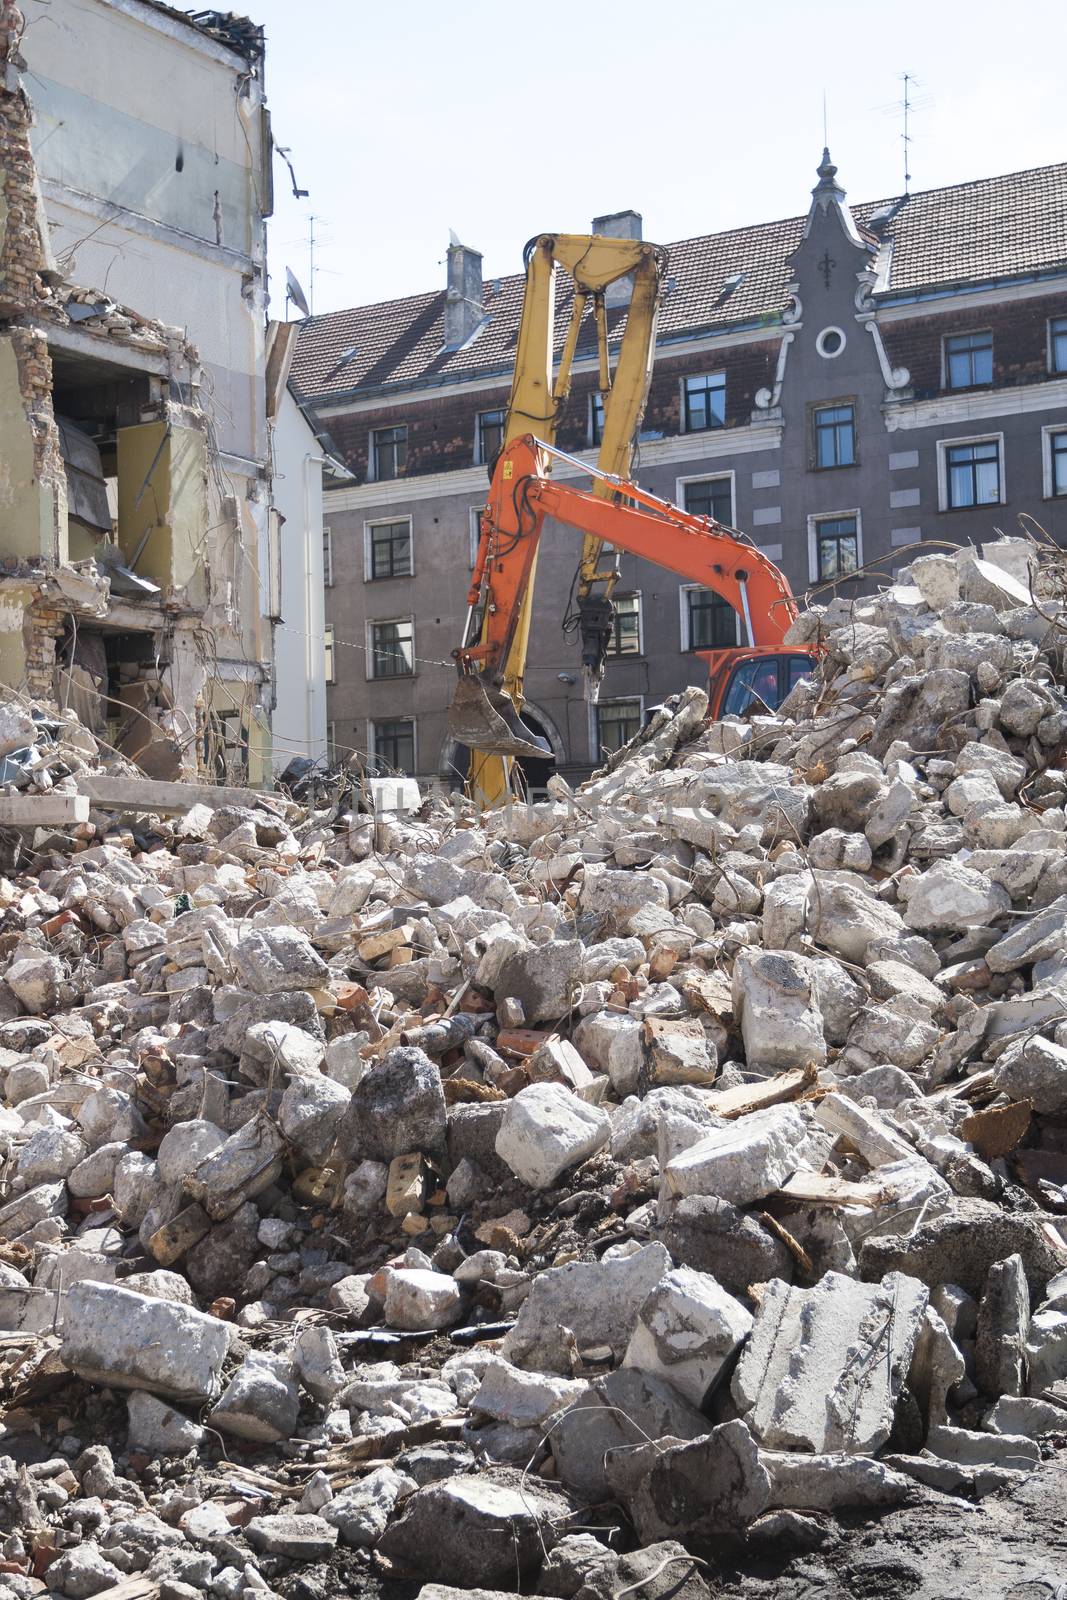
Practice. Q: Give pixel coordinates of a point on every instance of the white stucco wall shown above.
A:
(300, 713)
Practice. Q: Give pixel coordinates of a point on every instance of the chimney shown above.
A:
(619, 225)
(463, 297)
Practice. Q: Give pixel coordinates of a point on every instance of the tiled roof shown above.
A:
(966, 233)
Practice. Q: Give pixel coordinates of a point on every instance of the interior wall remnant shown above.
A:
(15, 624)
(162, 505)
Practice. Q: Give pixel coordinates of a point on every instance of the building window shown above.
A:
(617, 721)
(835, 546)
(490, 437)
(834, 436)
(389, 549)
(710, 497)
(1057, 448)
(327, 557)
(392, 649)
(596, 417)
(330, 653)
(394, 745)
(705, 402)
(389, 449)
(1057, 344)
(708, 621)
(968, 360)
(972, 474)
(626, 626)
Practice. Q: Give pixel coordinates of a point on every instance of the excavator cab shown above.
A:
(745, 681)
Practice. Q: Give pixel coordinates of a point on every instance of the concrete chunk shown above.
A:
(686, 1332)
(824, 1367)
(546, 1130)
(132, 1341)
(744, 1161)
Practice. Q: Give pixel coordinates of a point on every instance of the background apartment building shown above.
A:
(840, 384)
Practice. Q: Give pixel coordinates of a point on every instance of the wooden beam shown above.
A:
(134, 795)
(42, 810)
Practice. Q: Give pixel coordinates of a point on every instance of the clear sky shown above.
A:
(501, 120)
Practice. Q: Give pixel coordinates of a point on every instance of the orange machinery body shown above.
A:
(698, 548)
(726, 673)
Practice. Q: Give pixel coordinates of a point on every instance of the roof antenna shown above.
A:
(906, 136)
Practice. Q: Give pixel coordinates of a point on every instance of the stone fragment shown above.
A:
(617, 1413)
(158, 1429)
(828, 1482)
(687, 1330)
(417, 1299)
(261, 1402)
(698, 1492)
(296, 1535)
(310, 1114)
(131, 1341)
(361, 1511)
(247, 1163)
(824, 1367)
(744, 1161)
(318, 1363)
(546, 1130)
(543, 977)
(949, 896)
(775, 998)
(524, 1399)
(712, 1236)
(274, 960)
(1003, 1322)
(480, 1530)
(397, 1107)
(960, 1245)
(593, 1303)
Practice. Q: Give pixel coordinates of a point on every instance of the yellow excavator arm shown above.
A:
(539, 393)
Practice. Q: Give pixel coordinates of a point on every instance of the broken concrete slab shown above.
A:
(687, 1330)
(546, 1130)
(132, 1341)
(743, 1162)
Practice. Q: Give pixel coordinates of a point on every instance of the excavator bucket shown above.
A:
(486, 719)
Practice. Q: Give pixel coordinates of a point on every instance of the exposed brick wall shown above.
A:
(441, 431)
(44, 630)
(1020, 341)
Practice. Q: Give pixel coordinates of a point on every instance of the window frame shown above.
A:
(388, 622)
(327, 556)
(944, 446)
(814, 521)
(595, 421)
(682, 485)
(329, 653)
(815, 409)
(628, 655)
(373, 726)
(480, 457)
(685, 611)
(709, 387)
(368, 548)
(599, 752)
(1049, 433)
(373, 474)
(1052, 336)
(962, 388)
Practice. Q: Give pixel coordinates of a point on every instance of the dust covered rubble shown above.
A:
(680, 1159)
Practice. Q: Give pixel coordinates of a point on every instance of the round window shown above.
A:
(830, 342)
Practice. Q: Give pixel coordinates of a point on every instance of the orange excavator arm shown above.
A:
(521, 497)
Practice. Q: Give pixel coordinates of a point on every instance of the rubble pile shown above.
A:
(560, 1198)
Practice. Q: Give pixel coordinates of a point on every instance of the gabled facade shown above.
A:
(841, 385)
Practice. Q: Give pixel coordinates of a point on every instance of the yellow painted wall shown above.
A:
(172, 509)
(14, 604)
(27, 507)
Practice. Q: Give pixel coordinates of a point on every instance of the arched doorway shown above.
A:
(455, 758)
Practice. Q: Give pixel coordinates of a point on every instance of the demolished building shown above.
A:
(139, 538)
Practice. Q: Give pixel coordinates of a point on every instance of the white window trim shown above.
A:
(382, 622)
(387, 522)
(591, 441)
(474, 517)
(1054, 372)
(1046, 458)
(963, 333)
(327, 556)
(684, 590)
(943, 447)
(372, 738)
(632, 594)
(813, 538)
(820, 342)
(331, 741)
(329, 643)
(688, 377)
(595, 750)
(708, 477)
